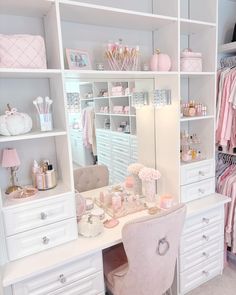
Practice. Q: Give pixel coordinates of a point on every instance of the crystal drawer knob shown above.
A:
(43, 215)
(62, 279)
(205, 237)
(201, 173)
(201, 191)
(206, 273)
(206, 255)
(45, 240)
(205, 220)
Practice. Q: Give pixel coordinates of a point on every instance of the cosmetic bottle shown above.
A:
(35, 170)
(50, 177)
(41, 180)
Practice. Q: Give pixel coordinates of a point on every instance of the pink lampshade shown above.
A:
(10, 158)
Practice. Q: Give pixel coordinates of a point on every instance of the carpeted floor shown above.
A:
(222, 285)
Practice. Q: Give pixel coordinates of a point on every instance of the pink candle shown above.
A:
(129, 183)
(166, 201)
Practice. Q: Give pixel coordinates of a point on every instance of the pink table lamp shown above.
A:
(10, 159)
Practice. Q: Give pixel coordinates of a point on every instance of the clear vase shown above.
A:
(149, 191)
(137, 185)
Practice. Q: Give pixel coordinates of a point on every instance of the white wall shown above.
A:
(227, 20)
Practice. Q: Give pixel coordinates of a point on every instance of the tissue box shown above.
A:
(22, 51)
(190, 61)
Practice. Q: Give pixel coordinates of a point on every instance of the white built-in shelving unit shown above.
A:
(169, 25)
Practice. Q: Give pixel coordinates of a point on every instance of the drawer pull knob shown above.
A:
(62, 279)
(205, 237)
(205, 220)
(43, 215)
(206, 273)
(205, 254)
(45, 240)
(201, 191)
(201, 173)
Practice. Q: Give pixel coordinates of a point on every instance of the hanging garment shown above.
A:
(89, 133)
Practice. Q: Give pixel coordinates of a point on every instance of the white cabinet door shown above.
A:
(42, 238)
(36, 214)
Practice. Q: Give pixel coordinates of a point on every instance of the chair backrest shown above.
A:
(151, 245)
(91, 177)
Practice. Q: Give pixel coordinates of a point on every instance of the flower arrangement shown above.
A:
(135, 168)
(149, 174)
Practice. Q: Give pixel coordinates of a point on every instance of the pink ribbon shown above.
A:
(11, 112)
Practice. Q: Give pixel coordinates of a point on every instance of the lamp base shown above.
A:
(12, 189)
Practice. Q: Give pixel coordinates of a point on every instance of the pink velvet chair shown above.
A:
(151, 245)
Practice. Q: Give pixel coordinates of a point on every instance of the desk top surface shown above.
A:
(36, 264)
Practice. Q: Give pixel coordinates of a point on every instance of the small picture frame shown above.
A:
(78, 59)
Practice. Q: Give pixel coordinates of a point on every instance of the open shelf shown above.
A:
(26, 7)
(29, 73)
(189, 27)
(189, 119)
(228, 48)
(32, 135)
(59, 190)
(196, 74)
(113, 17)
(92, 74)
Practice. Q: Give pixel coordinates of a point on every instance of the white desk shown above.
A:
(36, 264)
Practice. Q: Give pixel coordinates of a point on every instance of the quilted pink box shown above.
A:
(22, 51)
(190, 61)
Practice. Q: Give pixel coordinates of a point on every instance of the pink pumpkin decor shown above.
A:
(160, 62)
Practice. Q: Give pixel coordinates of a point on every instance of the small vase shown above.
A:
(149, 190)
(137, 185)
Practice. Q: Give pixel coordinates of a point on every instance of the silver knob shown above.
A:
(201, 191)
(201, 173)
(205, 220)
(205, 237)
(45, 240)
(206, 255)
(62, 279)
(43, 215)
(206, 273)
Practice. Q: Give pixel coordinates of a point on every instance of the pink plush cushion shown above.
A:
(22, 51)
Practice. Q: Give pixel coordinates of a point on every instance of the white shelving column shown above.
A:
(19, 87)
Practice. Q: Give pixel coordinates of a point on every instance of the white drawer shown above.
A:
(63, 278)
(36, 214)
(104, 146)
(201, 273)
(201, 237)
(197, 190)
(121, 151)
(121, 139)
(201, 254)
(42, 238)
(197, 171)
(104, 135)
(120, 161)
(204, 219)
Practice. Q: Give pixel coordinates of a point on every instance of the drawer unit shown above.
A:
(204, 219)
(120, 151)
(194, 172)
(36, 214)
(42, 238)
(72, 274)
(201, 273)
(197, 190)
(201, 254)
(121, 139)
(103, 135)
(201, 237)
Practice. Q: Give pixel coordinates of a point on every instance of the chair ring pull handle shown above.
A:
(163, 247)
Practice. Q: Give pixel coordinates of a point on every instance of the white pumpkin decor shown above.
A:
(14, 123)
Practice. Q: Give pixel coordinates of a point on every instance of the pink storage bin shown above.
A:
(22, 51)
(190, 61)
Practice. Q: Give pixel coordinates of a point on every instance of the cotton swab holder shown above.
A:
(45, 116)
(45, 122)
